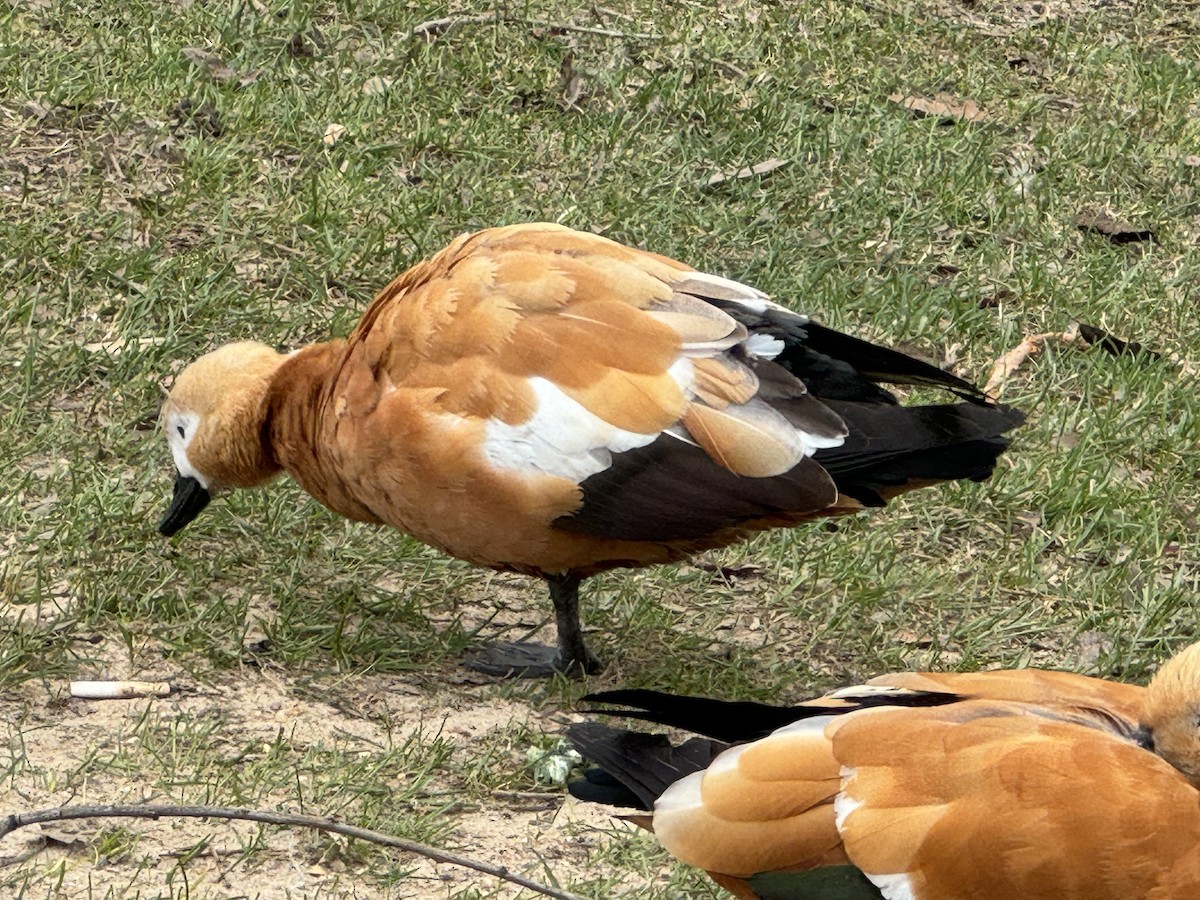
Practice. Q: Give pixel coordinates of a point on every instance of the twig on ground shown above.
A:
(727, 66)
(12, 822)
(434, 27)
(1031, 345)
(616, 14)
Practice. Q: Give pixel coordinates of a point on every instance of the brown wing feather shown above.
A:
(1037, 686)
(720, 381)
(1065, 808)
(750, 439)
(759, 808)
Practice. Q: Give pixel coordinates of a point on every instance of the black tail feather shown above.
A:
(732, 721)
(635, 768)
(837, 366)
(890, 446)
(738, 721)
(871, 361)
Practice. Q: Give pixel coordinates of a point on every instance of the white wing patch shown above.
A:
(564, 438)
(813, 725)
(844, 804)
(893, 887)
(684, 795)
(763, 346)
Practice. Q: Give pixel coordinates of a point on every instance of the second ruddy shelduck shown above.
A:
(539, 400)
(1007, 785)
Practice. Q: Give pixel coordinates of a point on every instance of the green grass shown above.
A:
(128, 215)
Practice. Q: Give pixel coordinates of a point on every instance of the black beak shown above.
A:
(1144, 738)
(189, 499)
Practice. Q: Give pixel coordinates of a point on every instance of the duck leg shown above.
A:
(573, 654)
(524, 660)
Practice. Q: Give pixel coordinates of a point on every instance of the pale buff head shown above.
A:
(213, 420)
(1170, 723)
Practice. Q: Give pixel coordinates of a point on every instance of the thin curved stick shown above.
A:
(434, 27)
(12, 822)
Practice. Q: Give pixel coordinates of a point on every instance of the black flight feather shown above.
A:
(738, 721)
(673, 490)
(890, 446)
(635, 768)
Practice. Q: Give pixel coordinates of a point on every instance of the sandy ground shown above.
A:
(75, 752)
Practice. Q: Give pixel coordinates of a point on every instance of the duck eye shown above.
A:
(179, 428)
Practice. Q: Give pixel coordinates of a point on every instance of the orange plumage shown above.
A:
(993, 786)
(539, 400)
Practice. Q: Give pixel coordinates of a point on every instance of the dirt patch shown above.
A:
(84, 752)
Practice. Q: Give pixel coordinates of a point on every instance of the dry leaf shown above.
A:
(942, 107)
(1191, 161)
(216, 66)
(333, 133)
(744, 570)
(1026, 64)
(206, 59)
(995, 297)
(765, 167)
(376, 85)
(1062, 104)
(1007, 364)
(573, 91)
(187, 118)
(571, 81)
(1092, 646)
(1119, 232)
(36, 110)
(117, 346)
(61, 835)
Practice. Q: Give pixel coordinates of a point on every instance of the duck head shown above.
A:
(213, 420)
(1170, 723)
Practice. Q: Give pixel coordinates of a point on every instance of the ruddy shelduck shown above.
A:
(539, 400)
(1000, 785)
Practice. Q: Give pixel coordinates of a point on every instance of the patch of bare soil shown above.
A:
(84, 752)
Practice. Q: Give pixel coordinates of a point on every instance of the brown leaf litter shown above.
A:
(1102, 222)
(1077, 335)
(943, 107)
(766, 167)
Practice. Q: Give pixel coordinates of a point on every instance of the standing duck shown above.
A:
(539, 400)
(993, 786)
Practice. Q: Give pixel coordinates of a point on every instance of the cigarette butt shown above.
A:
(119, 690)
